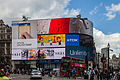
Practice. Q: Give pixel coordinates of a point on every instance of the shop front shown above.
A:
(49, 65)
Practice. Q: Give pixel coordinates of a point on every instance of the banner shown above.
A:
(79, 52)
(23, 43)
(72, 40)
(46, 53)
(56, 40)
(19, 54)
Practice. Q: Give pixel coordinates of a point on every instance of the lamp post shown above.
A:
(108, 60)
(108, 54)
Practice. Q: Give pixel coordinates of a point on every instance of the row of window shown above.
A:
(5, 37)
(5, 31)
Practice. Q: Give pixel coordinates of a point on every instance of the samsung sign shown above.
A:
(79, 52)
(72, 40)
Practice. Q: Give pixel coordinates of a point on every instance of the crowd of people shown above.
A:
(91, 74)
(101, 74)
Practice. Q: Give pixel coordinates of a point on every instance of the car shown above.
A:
(36, 74)
(3, 76)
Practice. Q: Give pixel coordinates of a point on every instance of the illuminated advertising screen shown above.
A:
(79, 52)
(46, 53)
(19, 54)
(24, 30)
(43, 26)
(23, 43)
(24, 34)
(59, 26)
(81, 26)
(72, 40)
(53, 40)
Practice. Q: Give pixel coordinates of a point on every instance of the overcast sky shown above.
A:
(105, 14)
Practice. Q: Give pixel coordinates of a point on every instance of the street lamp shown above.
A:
(108, 54)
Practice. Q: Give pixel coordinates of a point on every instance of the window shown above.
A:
(8, 30)
(8, 36)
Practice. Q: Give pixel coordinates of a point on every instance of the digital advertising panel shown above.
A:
(46, 53)
(81, 26)
(19, 54)
(23, 43)
(58, 26)
(51, 40)
(24, 30)
(79, 52)
(72, 40)
(43, 26)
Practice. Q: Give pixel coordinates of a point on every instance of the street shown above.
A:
(27, 77)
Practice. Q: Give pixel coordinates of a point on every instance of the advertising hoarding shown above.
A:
(79, 52)
(23, 43)
(43, 26)
(24, 30)
(58, 26)
(46, 53)
(19, 54)
(72, 40)
(81, 26)
(53, 40)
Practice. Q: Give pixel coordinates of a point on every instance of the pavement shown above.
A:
(27, 77)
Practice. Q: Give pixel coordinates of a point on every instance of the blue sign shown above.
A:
(72, 40)
(79, 52)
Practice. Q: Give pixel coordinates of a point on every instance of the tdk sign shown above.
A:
(72, 40)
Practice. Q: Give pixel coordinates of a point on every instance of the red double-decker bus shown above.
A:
(68, 63)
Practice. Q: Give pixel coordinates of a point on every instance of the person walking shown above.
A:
(118, 75)
(74, 73)
(92, 73)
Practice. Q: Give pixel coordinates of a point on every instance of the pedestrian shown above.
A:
(74, 73)
(92, 73)
(118, 75)
(101, 75)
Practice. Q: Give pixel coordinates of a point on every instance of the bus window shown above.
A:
(65, 59)
(65, 67)
(73, 61)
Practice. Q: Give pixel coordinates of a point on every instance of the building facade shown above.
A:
(115, 62)
(5, 43)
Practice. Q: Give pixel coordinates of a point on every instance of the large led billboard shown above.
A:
(72, 40)
(23, 43)
(59, 26)
(24, 34)
(43, 26)
(24, 30)
(46, 33)
(64, 25)
(19, 54)
(53, 40)
(37, 54)
(46, 53)
(79, 52)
